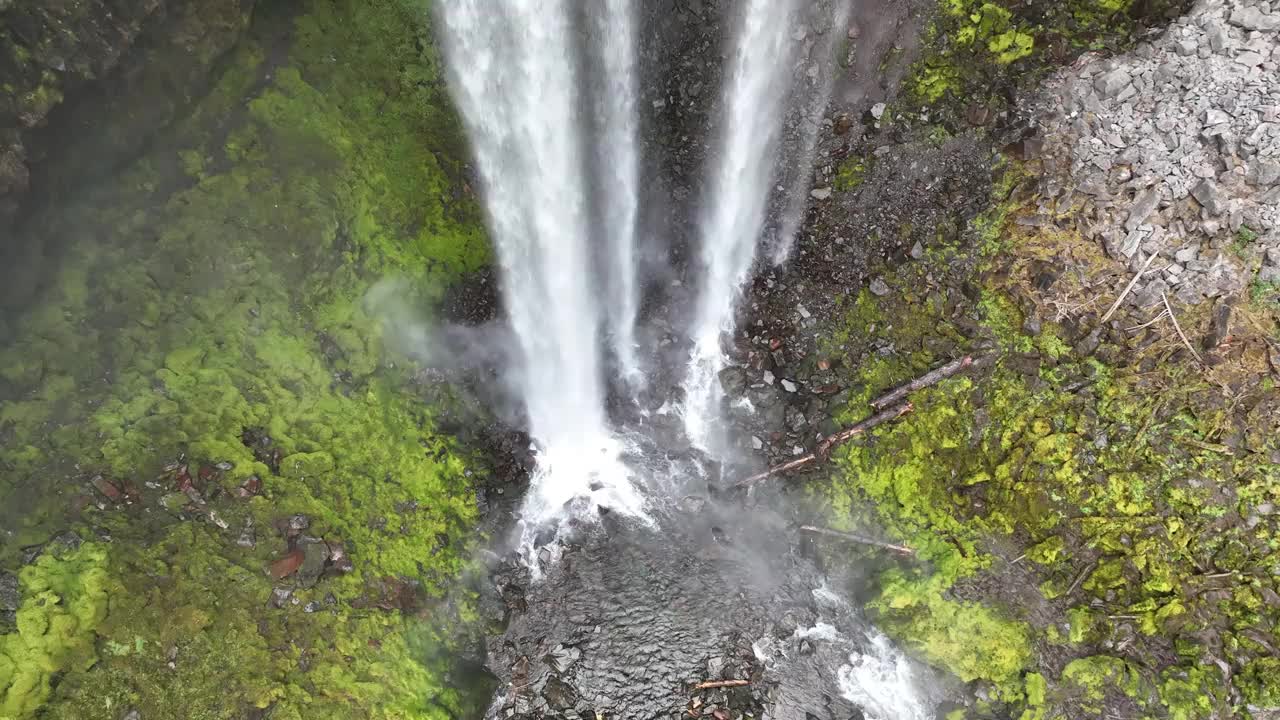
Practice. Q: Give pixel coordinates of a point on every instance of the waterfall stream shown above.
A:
(737, 197)
(562, 189)
(516, 78)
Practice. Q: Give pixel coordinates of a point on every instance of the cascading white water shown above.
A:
(737, 198)
(514, 74)
(614, 42)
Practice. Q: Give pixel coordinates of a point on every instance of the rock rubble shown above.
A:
(1174, 149)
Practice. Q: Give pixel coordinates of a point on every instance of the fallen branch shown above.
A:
(712, 684)
(861, 540)
(1178, 327)
(893, 397)
(1128, 288)
(824, 447)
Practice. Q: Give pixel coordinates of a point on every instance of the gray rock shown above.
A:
(1251, 18)
(1219, 325)
(917, 250)
(1265, 173)
(562, 658)
(1186, 255)
(789, 386)
(1249, 59)
(1217, 36)
(877, 110)
(820, 193)
(1214, 116)
(733, 380)
(1143, 205)
(314, 556)
(10, 597)
(1206, 193)
(1110, 84)
(879, 287)
(1186, 47)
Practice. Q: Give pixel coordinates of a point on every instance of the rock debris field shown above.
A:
(1174, 149)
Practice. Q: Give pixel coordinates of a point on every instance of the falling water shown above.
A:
(744, 162)
(567, 246)
(516, 81)
(812, 101)
(614, 42)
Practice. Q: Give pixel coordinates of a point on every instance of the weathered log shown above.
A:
(712, 684)
(824, 447)
(860, 539)
(929, 379)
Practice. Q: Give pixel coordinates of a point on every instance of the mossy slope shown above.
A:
(216, 286)
(1094, 521)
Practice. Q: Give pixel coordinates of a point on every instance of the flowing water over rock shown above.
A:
(634, 581)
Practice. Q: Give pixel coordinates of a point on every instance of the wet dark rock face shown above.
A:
(630, 620)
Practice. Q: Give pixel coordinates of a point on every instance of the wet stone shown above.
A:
(733, 380)
(10, 597)
(280, 597)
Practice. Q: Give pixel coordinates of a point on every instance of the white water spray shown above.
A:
(515, 78)
(745, 159)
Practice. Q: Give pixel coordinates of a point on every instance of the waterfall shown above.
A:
(548, 90)
(739, 187)
(514, 73)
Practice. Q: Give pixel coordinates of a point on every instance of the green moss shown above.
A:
(183, 651)
(1243, 240)
(970, 641)
(1094, 676)
(851, 173)
(976, 47)
(64, 600)
(1261, 682)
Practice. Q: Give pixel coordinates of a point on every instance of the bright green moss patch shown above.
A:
(64, 599)
(970, 641)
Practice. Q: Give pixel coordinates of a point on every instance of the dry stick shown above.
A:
(929, 379)
(860, 539)
(1148, 323)
(1128, 289)
(710, 684)
(1178, 327)
(824, 447)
